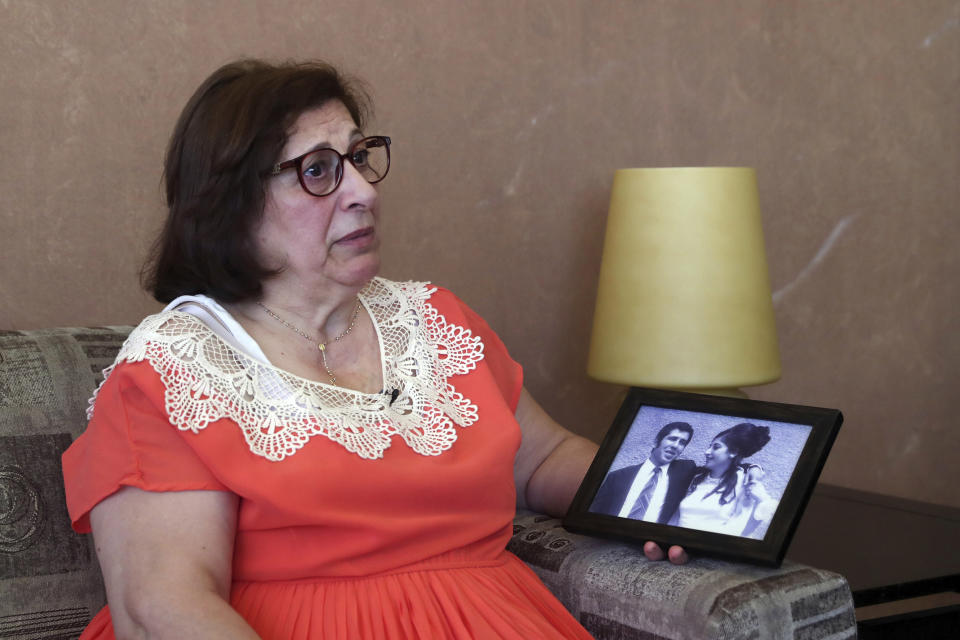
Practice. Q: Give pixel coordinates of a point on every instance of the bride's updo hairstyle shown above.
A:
(745, 439)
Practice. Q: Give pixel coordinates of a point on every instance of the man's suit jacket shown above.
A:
(616, 485)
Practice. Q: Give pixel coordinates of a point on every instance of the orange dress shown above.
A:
(367, 520)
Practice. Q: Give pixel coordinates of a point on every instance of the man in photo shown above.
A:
(651, 490)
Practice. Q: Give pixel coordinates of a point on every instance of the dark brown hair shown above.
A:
(679, 426)
(230, 132)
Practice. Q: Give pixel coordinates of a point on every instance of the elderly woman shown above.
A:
(726, 495)
(295, 447)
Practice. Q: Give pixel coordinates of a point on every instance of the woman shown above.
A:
(294, 447)
(725, 495)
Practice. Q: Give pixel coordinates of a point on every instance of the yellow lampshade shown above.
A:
(684, 300)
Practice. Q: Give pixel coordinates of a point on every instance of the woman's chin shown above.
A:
(361, 270)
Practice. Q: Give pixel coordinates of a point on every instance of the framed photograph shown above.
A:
(722, 476)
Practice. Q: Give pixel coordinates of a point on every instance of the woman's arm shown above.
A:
(551, 464)
(551, 461)
(166, 561)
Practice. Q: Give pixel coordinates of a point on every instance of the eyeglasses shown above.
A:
(320, 171)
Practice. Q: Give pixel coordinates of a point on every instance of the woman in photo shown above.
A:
(727, 495)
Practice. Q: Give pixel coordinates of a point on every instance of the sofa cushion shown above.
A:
(50, 584)
(615, 592)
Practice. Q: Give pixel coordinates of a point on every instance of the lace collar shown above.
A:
(207, 379)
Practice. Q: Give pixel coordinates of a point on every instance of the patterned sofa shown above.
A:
(50, 584)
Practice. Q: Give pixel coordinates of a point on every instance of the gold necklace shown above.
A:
(321, 346)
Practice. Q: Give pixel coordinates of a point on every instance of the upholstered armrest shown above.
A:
(615, 592)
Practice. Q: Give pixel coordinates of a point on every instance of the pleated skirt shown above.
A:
(500, 599)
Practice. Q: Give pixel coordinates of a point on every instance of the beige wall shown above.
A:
(509, 118)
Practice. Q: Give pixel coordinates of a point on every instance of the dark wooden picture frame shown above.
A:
(800, 437)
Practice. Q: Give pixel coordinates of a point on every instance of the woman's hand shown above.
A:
(753, 485)
(167, 563)
(550, 466)
(757, 492)
(676, 554)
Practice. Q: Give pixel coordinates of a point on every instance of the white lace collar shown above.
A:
(207, 379)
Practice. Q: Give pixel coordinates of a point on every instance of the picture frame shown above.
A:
(707, 496)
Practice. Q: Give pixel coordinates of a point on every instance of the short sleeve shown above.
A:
(130, 442)
(506, 371)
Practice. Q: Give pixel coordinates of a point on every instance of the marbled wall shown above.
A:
(509, 118)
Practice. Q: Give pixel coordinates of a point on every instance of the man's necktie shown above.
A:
(643, 500)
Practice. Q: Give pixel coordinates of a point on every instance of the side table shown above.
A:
(899, 556)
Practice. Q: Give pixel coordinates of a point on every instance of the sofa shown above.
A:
(50, 583)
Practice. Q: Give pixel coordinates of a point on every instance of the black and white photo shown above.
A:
(724, 475)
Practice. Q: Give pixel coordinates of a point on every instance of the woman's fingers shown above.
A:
(653, 551)
(676, 554)
(757, 491)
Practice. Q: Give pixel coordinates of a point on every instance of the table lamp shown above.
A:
(683, 300)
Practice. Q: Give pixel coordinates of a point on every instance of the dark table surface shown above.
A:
(877, 541)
